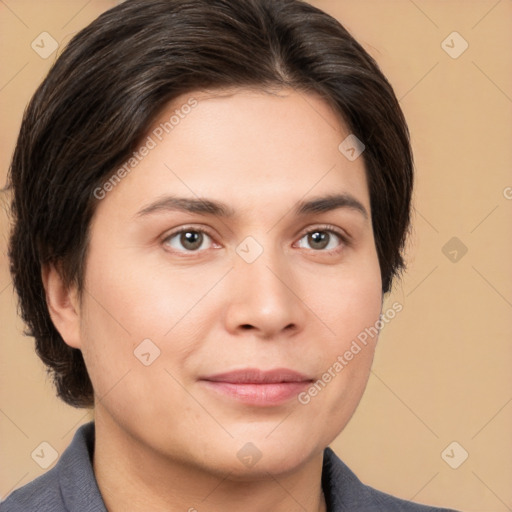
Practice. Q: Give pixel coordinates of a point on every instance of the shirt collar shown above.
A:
(76, 476)
(80, 490)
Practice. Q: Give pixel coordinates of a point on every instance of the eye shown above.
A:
(324, 239)
(321, 239)
(188, 240)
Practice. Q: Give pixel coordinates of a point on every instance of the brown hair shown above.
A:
(115, 76)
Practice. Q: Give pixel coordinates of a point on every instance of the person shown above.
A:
(210, 202)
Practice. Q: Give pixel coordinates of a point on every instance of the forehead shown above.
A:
(247, 148)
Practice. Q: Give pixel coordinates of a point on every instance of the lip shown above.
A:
(258, 387)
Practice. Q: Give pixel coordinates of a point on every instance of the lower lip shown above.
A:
(259, 394)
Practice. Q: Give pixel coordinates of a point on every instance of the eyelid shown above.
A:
(188, 227)
(328, 227)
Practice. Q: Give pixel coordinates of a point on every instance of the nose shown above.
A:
(264, 298)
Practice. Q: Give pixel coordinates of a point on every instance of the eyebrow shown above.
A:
(219, 209)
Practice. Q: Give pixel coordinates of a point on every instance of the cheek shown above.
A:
(350, 306)
(350, 300)
(137, 298)
(126, 304)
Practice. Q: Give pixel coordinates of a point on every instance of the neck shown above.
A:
(132, 476)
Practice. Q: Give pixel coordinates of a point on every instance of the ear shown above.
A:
(63, 305)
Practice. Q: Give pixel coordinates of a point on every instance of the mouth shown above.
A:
(257, 387)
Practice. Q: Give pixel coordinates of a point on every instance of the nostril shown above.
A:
(247, 326)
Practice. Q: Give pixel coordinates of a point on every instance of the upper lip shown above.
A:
(257, 376)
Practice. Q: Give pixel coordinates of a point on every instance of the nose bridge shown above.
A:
(264, 296)
(268, 277)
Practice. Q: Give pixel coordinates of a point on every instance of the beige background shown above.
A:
(442, 372)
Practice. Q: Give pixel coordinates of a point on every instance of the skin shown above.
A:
(164, 440)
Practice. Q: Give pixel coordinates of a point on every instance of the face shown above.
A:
(230, 270)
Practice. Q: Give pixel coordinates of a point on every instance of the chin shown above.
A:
(255, 461)
(267, 468)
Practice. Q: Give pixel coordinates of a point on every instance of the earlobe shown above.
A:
(63, 305)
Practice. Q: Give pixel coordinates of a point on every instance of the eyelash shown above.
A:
(327, 228)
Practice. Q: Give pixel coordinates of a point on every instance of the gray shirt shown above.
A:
(70, 486)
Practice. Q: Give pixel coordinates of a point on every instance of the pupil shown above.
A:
(320, 239)
(191, 239)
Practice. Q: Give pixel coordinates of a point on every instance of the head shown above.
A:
(157, 98)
